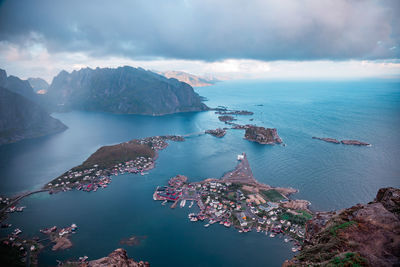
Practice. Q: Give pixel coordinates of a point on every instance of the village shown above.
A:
(239, 205)
(91, 178)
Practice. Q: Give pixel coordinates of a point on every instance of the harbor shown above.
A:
(238, 200)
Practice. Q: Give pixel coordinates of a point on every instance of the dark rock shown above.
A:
(16, 85)
(363, 235)
(261, 135)
(21, 119)
(217, 132)
(329, 140)
(234, 112)
(117, 258)
(226, 118)
(354, 143)
(122, 90)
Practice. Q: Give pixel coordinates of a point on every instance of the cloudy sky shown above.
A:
(230, 39)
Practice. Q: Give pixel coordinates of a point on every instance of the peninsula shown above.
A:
(135, 156)
(239, 200)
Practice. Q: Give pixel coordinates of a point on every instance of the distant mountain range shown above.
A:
(20, 117)
(39, 85)
(122, 90)
(188, 78)
(16, 85)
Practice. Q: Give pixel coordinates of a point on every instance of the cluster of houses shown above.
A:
(90, 179)
(230, 204)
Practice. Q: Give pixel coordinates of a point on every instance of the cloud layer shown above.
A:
(206, 30)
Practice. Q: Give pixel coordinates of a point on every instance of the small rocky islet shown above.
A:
(344, 142)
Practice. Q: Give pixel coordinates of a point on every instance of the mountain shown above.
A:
(21, 118)
(122, 90)
(188, 78)
(16, 85)
(39, 85)
(363, 235)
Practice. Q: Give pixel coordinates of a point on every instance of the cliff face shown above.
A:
(117, 258)
(366, 234)
(122, 90)
(21, 118)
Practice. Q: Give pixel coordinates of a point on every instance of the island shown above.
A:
(354, 143)
(234, 112)
(363, 235)
(326, 139)
(261, 135)
(239, 200)
(217, 132)
(226, 118)
(135, 156)
(344, 142)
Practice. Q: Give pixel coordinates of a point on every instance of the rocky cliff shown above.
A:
(122, 90)
(261, 135)
(117, 258)
(21, 118)
(363, 235)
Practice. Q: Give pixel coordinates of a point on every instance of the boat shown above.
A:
(74, 227)
(294, 249)
(271, 235)
(227, 224)
(206, 225)
(183, 203)
(286, 240)
(191, 204)
(164, 202)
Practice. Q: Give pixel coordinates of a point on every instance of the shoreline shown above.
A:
(237, 199)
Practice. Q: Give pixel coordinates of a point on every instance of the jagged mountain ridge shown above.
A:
(122, 90)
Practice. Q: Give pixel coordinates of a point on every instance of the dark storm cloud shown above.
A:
(207, 30)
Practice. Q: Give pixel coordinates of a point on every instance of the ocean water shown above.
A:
(330, 176)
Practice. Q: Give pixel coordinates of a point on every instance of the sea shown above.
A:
(330, 176)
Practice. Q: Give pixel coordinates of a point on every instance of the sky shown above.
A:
(297, 39)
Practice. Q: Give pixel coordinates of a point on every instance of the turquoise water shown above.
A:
(330, 176)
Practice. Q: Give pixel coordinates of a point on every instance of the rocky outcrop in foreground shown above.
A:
(363, 235)
(261, 135)
(117, 258)
(124, 90)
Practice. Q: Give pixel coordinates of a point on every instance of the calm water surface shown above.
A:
(330, 176)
